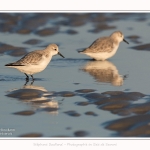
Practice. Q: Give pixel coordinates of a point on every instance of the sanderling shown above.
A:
(35, 61)
(104, 47)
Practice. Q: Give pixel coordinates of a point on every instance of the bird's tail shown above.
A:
(13, 64)
(81, 50)
(10, 64)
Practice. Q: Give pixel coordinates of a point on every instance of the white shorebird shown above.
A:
(104, 47)
(35, 61)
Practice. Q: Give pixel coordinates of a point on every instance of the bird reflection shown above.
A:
(37, 97)
(27, 81)
(104, 71)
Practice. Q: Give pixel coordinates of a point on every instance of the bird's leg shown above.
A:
(27, 77)
(32, 78)
(26, 82)
(31, 82)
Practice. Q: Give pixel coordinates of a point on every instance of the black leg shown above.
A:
(32, 78)
(27, 77)
(26, 82)
(32, 82)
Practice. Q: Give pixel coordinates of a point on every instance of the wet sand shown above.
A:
(76, 96)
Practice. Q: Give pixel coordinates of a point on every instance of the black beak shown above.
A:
(60, 54)
(125, 41)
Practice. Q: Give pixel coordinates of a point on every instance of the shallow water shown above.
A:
(60, 102)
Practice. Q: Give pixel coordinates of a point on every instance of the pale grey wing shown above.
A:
(31, 58)
(101, 45)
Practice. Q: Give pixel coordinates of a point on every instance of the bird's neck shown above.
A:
(115, 41)
(48, 53)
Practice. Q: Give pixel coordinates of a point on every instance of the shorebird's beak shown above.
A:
(60, 54)
(125, 41)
